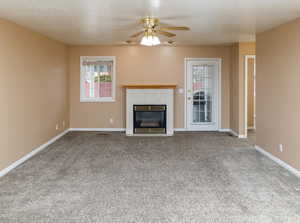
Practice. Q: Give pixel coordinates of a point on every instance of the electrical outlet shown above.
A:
(180, 91)
(111, 120)
(56, 126)
(280, 148)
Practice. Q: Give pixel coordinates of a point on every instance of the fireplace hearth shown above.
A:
(149, 119)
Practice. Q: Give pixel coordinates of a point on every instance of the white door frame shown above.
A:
(219, 93)
(246, 93)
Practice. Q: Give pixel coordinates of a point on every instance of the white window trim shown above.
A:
(82, 90)
(246, 94)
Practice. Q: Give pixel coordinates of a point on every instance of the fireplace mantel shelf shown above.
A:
(149, 86)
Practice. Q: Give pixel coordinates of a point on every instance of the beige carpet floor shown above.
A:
(190, 177)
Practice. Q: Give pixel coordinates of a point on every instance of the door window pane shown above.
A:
(202, 84)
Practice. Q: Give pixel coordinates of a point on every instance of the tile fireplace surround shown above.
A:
(150, 95)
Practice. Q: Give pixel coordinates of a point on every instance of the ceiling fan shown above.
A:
(152, 28)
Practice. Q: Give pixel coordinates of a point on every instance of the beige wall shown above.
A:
(237, 87)
(278, 78)
(33, 91)
(141, 65)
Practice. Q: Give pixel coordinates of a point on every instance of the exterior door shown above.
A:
(202, 94)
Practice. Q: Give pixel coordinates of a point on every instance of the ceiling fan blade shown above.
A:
(165, 33)
(137, 34)
(175, 28)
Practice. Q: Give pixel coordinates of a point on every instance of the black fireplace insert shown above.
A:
(149, 119)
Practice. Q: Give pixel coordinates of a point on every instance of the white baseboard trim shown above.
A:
(186, 130)
(31, 154)
(224, 130)
(237, 135)
(277, 160)
(123, 129)
(233, 133)
(242, 136)
(98, 129)
(180, 130)
(193, 130)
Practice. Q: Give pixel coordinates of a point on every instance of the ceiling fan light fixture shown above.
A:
(152, 28)
(150, 40)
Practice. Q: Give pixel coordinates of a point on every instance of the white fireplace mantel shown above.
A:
(150, 94)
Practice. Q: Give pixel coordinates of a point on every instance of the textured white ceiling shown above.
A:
(113, 21)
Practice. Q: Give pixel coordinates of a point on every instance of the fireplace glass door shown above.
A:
(149, 119)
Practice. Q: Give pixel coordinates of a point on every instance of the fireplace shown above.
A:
(149, 119)
(160, 98)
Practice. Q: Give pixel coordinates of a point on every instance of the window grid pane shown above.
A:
(202, 93)
(97, 78)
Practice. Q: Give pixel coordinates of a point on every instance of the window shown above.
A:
(97, 79)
